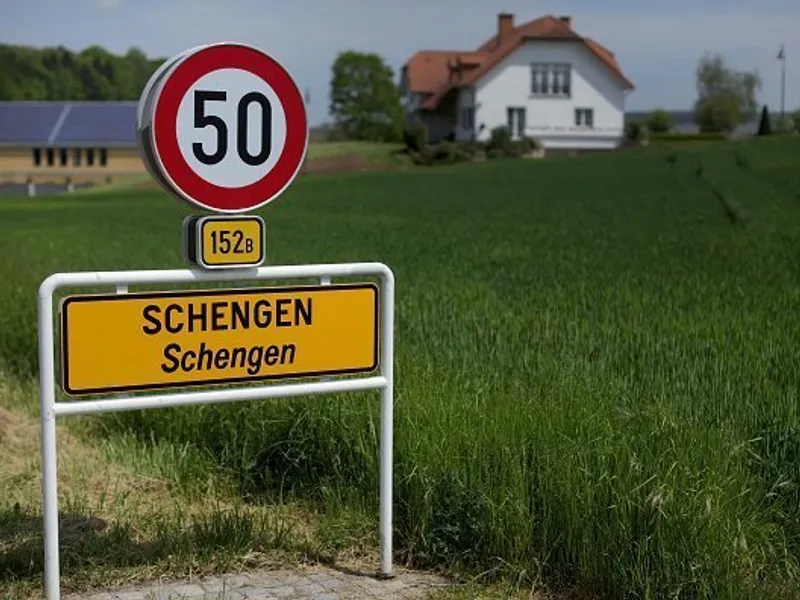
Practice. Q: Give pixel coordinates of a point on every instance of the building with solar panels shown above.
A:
(67, 142)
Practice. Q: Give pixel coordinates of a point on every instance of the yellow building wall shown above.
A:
(15, 159)
(18, 165)
(125, 159)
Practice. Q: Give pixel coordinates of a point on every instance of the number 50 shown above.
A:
(201, 120)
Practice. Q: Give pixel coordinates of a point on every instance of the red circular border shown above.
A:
(165, 131)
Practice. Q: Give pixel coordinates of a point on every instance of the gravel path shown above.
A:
(317, 583)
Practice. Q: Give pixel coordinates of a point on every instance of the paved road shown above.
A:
(317, 583)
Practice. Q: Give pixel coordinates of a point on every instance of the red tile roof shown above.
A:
(428, 71)
(435, 73)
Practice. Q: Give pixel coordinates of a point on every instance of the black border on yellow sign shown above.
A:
(194, 240)
(65, 303)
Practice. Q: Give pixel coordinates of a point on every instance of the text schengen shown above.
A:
(227, 315)
(150, 340)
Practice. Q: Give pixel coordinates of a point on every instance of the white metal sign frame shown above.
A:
(50, 409)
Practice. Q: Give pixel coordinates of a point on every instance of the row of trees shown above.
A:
(60, 74)
(726, 98)
(364, 100)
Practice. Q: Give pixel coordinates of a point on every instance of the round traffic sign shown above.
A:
(227, 125)
(143, 122)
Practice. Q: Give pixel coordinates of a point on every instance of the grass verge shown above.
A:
(129, 514)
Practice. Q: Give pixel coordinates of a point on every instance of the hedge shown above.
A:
(687, 137)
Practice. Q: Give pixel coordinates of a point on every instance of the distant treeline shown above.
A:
(59, 74)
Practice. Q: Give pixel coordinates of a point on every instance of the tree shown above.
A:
(56, 73)
(726, 97)
(796, 120)
(365, 104)
(765, 125)
(659, 121)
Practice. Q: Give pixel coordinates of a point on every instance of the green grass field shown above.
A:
(372, 150)
(598, 364)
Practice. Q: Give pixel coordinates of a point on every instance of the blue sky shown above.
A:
(657, 42)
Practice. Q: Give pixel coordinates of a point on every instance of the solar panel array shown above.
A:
(28, 123)
(98, 124)
(68, 124)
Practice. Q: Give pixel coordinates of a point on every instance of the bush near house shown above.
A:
(659, 121)
(708, 136)
(636, 133)
(415, 136)
(447, 152)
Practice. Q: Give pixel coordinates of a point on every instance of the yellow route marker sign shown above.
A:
(152, 340)
(225, 242)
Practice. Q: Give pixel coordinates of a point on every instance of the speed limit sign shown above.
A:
(223, 127)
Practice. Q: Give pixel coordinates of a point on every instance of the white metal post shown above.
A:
(387, 423)
(47, 402)
(325, 280)
(50, 409)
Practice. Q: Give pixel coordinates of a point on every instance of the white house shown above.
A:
(540, 79)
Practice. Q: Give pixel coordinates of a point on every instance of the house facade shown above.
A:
(539, 79)
(60, 142)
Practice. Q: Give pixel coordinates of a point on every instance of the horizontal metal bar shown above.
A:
(218, 396)
(59, 280)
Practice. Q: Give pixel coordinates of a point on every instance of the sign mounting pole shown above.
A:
(223, 128)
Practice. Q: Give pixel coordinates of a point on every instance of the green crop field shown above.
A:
(598, 365)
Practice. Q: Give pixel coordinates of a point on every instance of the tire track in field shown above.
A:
(733, 213)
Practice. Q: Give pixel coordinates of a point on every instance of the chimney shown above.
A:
(505, 24)
(566, 20)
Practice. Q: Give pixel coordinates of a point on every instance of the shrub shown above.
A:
(531, 143)
(688, 137)
(796, 121)
(636, 132)
(499, 139)
(521, 147)
(443, 153)
(785, 124)
(765, 126)
(501, 145)
(415, 136)
(336, 134)
(474, 149)
(659, 121)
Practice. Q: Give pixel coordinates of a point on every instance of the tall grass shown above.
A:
(597, 367)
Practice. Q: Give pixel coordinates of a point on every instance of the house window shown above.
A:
(551, 79)
(62, 157)
(468, 118)
(90, 157)
(103, 157)
(515, 121)
(51, 159)
(76, 157)
(37, 157)
(584, 117)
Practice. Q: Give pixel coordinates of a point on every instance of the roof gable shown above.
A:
(428, 70)
(434, 74)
